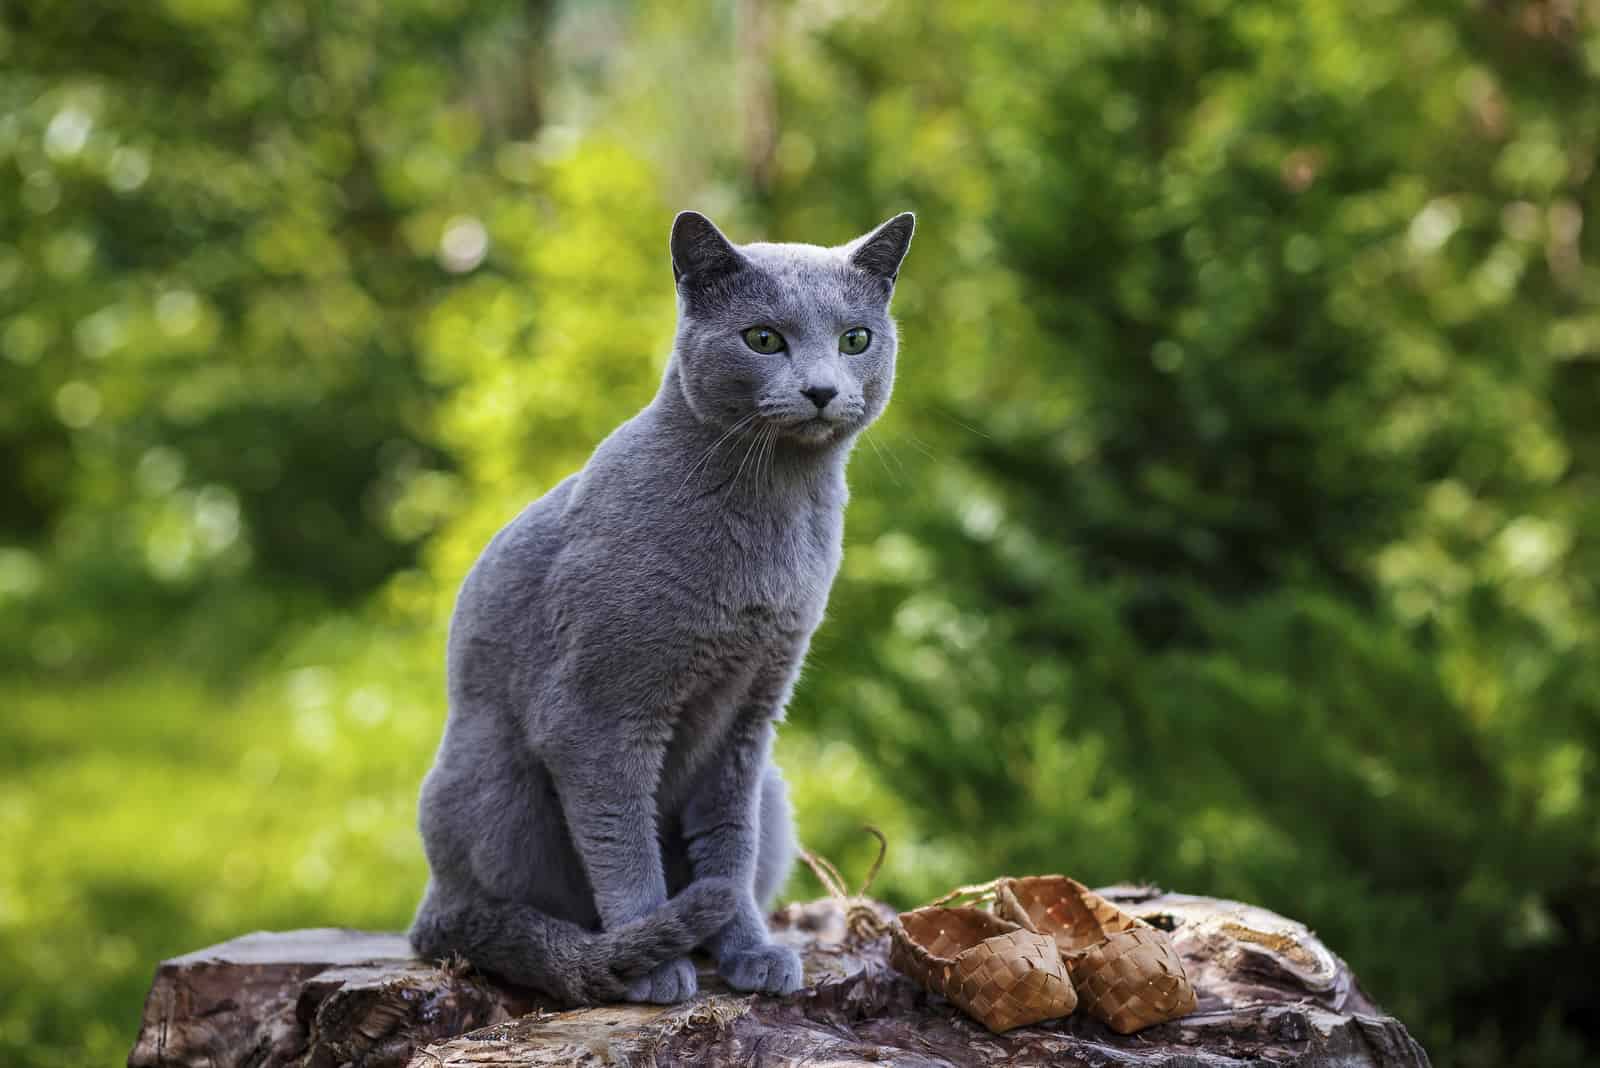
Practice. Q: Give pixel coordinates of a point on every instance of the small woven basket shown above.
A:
(1127, 973)
(1000, 974)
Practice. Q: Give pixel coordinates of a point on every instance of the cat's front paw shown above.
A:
(766, 969)
(669, 984)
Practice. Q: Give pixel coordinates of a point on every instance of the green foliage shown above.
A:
(150, 814)
(1233, 525)
(223, 220)
(1252, 555)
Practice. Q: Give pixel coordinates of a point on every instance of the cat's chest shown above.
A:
(774, 574)
(728, 677)
(764, 594)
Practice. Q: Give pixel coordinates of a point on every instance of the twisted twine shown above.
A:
(861, 918)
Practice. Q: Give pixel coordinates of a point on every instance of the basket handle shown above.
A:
(976, 894)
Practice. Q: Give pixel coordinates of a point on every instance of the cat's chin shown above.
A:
(817, 432)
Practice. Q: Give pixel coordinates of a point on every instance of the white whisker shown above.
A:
(759, 432)
(921, 446)
(699, 464)
(959, 423)
(772, 453)
(882, 462)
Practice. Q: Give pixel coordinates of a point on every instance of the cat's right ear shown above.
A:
(699, 251)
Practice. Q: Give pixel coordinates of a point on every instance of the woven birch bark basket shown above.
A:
(999, 973)
(1126, 972)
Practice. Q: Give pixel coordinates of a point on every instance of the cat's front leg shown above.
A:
(721, 829)
(606, 779)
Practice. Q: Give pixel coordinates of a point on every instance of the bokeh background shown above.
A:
(1234, 526)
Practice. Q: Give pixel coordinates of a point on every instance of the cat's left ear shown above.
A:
(881, 251)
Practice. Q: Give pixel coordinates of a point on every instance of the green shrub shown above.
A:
(1233, 525)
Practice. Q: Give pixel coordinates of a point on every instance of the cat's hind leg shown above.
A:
(531, 948)
(775, 850)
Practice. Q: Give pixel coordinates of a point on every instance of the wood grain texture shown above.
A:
(1269, 992)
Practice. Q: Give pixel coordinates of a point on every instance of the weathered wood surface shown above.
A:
(1270, 994)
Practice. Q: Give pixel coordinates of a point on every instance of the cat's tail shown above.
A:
(580, 967)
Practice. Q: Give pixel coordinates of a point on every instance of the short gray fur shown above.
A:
(621, 652)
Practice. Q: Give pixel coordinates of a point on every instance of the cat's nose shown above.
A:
(820, 395)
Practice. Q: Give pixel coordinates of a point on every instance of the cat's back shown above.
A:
(496, 612)
(516, 557)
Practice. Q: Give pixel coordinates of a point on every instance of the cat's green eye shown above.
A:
(764, 340)
(854, 342)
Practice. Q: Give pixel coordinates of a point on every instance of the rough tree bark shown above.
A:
(1270, 994)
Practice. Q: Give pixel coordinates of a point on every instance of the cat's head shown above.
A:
(794, 336)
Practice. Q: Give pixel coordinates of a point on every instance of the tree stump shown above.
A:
(1270, 993)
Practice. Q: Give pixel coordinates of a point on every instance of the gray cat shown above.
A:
(621, 652)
